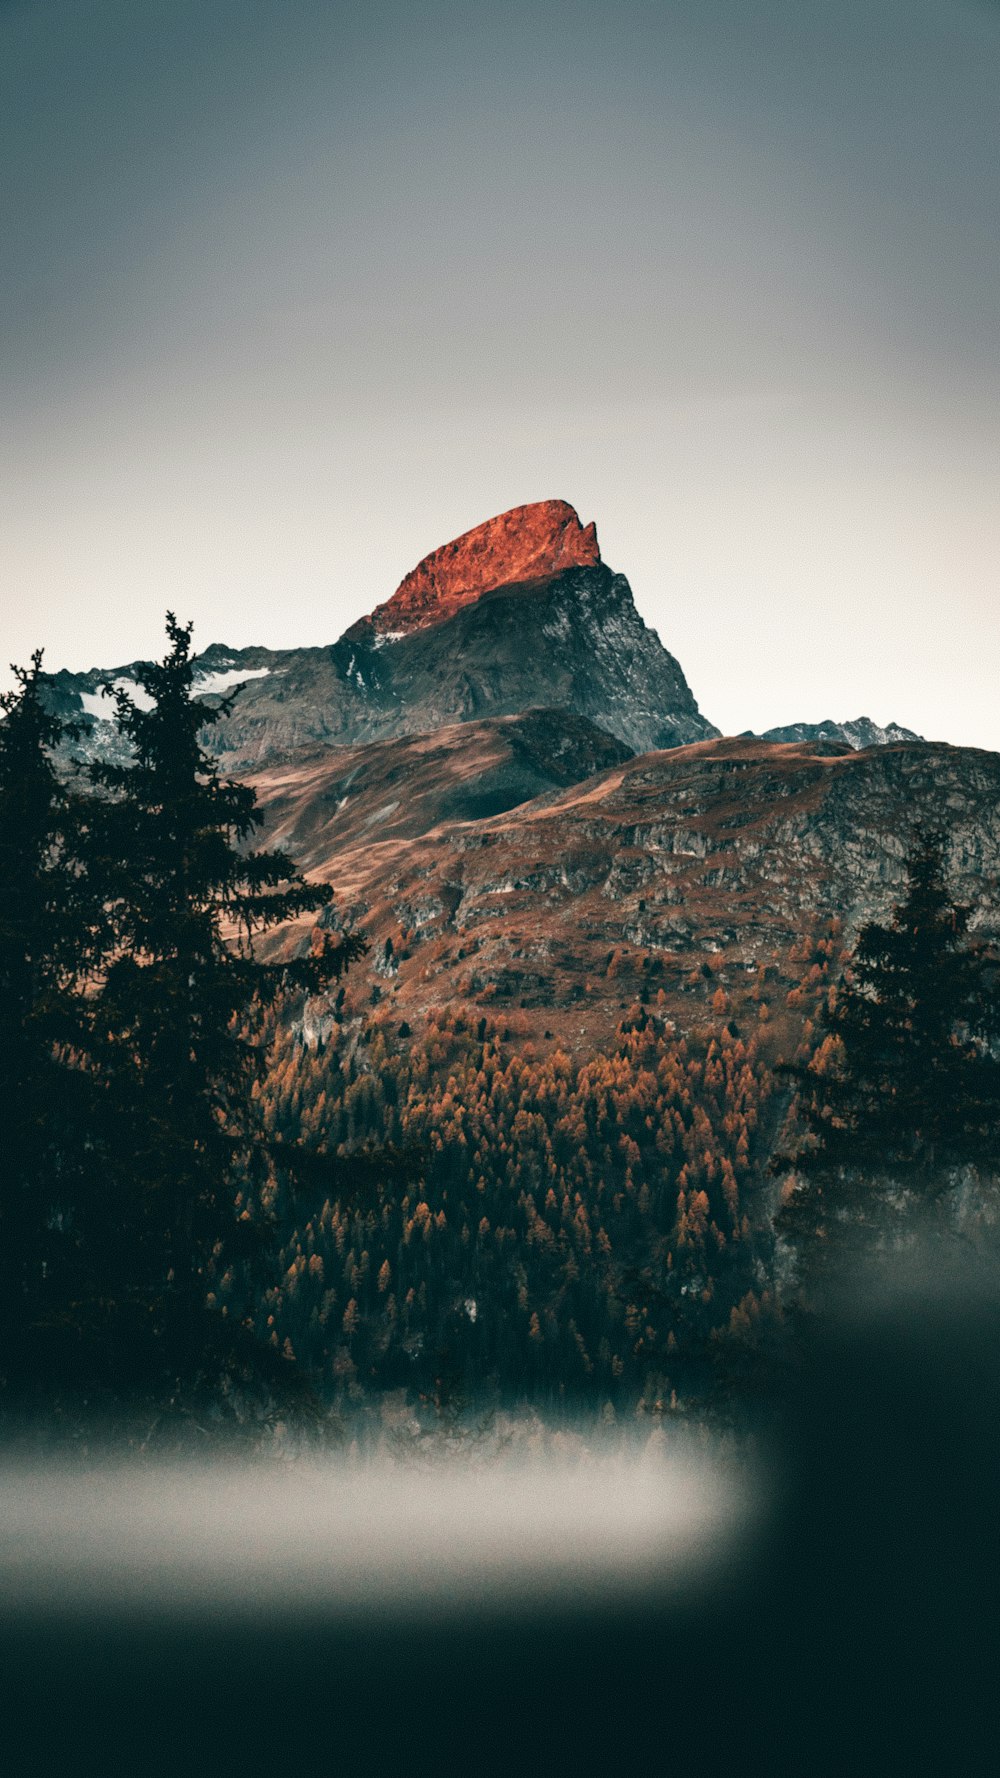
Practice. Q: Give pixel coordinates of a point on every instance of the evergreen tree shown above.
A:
(186, 896)
(905, 1086)
(48, 939)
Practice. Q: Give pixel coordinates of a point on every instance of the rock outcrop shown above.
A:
(525, 547)
(860, 733)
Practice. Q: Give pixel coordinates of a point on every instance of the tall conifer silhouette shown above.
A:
(905, 1086)
(186, 895)
(47, 921)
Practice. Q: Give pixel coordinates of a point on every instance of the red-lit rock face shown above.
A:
(523, 547)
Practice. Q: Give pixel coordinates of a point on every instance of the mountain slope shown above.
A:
(331, 800)
(679, 871)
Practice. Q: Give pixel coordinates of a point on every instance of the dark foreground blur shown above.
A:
(661, 1614)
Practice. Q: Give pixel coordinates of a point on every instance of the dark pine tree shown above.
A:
(49, 940)
(905, 1086)
(187, 896)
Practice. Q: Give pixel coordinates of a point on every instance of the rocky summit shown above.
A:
(519, 613)
(526, 546)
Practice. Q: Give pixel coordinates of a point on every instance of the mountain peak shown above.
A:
(523, 547)
(858, 734)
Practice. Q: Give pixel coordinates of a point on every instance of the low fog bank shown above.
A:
(827, 1605)
(358, 1538)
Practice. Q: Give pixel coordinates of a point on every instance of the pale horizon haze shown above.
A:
(292, 292)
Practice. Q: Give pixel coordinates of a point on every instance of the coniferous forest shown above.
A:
(211, 1217)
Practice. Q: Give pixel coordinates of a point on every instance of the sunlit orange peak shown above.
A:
(523, 547)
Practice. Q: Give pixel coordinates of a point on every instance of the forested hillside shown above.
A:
(561, 1230)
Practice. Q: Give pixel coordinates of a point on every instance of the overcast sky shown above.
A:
(292, 291)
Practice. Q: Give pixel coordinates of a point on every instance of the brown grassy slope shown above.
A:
(674, 875)
(323, 804)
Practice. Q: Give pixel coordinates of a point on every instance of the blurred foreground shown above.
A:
(831, 1607)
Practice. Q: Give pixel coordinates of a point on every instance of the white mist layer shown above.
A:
(361, 1538)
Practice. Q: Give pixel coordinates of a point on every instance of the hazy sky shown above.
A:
(292, 291)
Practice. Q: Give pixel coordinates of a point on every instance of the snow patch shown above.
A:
(213, 683)
(102, 708)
